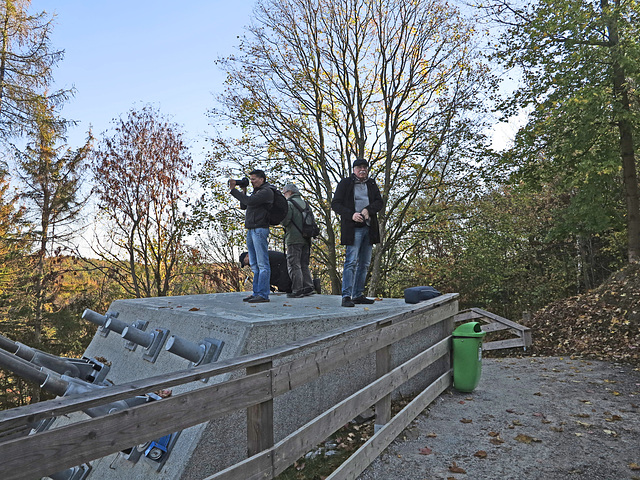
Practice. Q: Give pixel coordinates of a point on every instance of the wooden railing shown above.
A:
(496, 323)
(81, 442)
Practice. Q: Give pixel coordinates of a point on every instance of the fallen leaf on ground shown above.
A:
(496, 441)
(432, 435)
(425, 451)
(454, 468)
(614, 418)
(522, 438)
(194, 309)
(480, 454)
(494, 434)
(466, 420)
(634, 466)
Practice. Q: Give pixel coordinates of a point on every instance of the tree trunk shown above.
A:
(627, 154)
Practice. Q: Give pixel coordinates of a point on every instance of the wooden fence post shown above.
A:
(260, 418)
(383, 366)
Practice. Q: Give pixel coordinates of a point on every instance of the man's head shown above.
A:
(244, 259)
(361, 169)
(290, 189)
(257, 178)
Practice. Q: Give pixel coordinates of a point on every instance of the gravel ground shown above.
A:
(529, 418)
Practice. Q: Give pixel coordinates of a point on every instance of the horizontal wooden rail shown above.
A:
(275, 460)
(495, 323)
(83, 441)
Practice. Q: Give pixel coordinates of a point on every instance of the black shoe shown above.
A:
(347, 302)
(308, 291)
(363, 300)
(297, 294)
(246, 299)
(258, 299)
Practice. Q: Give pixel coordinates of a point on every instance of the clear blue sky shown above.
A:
(120, 54)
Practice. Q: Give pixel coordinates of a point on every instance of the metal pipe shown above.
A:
(8, 344)
(136, 335)
(44, 359)
(184, 348)
(94, 317)
(116, 325)
(48, 380)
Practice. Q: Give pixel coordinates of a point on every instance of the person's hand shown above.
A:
(232, 183)
(358, 217)
(365, 214)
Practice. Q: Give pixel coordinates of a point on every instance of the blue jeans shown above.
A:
(258, 246)
(356, 264)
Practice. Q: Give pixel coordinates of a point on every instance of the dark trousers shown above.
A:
(298, 266)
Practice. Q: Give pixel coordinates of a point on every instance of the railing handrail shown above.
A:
(97, 437)
(63, 405)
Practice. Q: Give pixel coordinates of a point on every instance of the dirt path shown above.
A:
(529, 418)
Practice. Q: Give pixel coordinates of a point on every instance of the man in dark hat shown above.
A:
(357, 200)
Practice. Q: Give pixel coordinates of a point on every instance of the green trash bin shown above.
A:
(467, 356)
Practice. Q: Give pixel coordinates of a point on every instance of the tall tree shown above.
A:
(51, 177)
(140, 173)
(581, 68)
(26, 62)
(322, 82)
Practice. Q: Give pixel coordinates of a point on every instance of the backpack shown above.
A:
(279, 207)
(309, 228)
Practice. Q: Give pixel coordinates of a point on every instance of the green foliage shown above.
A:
(26, 62)
(581, 65)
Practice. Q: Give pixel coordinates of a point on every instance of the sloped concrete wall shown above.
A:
(245, 328)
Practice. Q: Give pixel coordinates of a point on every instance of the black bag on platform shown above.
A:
(419, 294)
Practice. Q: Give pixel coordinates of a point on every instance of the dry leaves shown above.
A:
(425, 451)
(454, 468)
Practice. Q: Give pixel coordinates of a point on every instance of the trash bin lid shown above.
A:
(469, 329)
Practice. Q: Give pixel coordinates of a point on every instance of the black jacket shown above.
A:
(257, 206)
(279, 275)
(344, 205)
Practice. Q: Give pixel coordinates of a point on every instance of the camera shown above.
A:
(242, 183)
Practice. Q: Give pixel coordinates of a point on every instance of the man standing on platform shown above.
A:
(357, 200)
(298, 247)
(256, 221)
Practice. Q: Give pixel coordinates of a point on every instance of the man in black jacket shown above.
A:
(357, 200)
(279, 275)
(256, 221)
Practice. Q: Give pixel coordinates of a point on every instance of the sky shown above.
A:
(121, 55)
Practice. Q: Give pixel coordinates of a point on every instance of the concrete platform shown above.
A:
(244, 328)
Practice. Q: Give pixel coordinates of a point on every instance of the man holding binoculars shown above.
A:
(256, 221)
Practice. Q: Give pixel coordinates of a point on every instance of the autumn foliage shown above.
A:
(603, 323)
